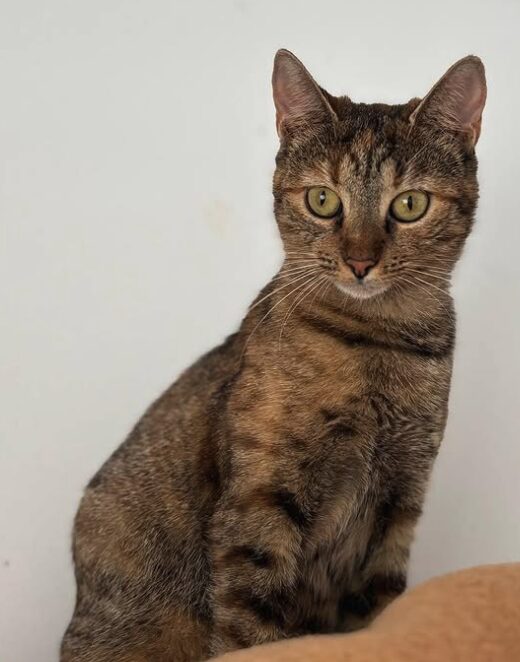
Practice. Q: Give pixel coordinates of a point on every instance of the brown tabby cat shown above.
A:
(273, 490)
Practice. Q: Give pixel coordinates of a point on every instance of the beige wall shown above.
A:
(136, 147)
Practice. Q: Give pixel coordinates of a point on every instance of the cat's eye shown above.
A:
(323, 202)
(409, 206)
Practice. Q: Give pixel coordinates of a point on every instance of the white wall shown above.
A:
(136, 150)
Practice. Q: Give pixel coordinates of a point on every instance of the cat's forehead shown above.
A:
(367, 155)
(368, 152)
(372, 146)
(364, 131)
(363, 161)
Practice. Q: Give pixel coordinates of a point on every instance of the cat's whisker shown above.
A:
(293, 263)
(321, 281)
(314, 283)
(298, 287)
(282, 287)
(293, 277)
(326, 290)
(425, 288)
(432, 275)
(322, 291)
(433, 264)
(425, 282)
(311, 283)
(293, 270)
(442, 272)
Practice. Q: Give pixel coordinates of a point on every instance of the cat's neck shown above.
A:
(397, 319)
(411, 306)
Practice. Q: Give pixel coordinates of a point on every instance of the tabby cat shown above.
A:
(273, 490)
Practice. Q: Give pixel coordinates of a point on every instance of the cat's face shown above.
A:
(376, 198)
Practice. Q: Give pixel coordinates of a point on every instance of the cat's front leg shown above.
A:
(256, 541)
(383, 575)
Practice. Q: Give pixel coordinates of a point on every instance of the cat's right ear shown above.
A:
(298, 100)
(456, 102)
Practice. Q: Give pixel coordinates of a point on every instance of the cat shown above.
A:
(274, 488)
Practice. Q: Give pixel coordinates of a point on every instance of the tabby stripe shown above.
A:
(286, 500)
(361, 340)
(387, 584)
(257, 556)
(362, 603)
(268, 609)
(357, 604)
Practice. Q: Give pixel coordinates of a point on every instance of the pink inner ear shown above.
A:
(295, 93)
(289, 96)
(457, 100)
(472, 98)
(294, 96)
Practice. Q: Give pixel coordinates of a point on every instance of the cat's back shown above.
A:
(146, 509)
(176, 429)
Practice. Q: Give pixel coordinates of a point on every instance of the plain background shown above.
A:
(137, 143)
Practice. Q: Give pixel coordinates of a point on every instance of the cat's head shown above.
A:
(376, 198)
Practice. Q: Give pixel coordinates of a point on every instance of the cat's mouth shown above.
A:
(362, 289)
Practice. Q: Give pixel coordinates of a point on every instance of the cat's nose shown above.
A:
(360, 266)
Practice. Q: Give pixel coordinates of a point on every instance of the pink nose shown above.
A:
(360, 266)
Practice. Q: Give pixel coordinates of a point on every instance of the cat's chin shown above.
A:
(360, 291)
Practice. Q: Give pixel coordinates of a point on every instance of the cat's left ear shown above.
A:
(456, 102)
(298, 99)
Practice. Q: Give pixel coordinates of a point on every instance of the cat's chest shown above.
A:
(366, 449)
(397, 392)
(331, 568)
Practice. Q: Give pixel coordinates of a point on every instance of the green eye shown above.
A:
(409, 206)
(323, 202)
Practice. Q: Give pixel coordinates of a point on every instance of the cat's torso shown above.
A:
(359, 416)
(334, 428)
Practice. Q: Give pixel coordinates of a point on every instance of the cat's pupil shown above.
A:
(322, 197)
(409, 202)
